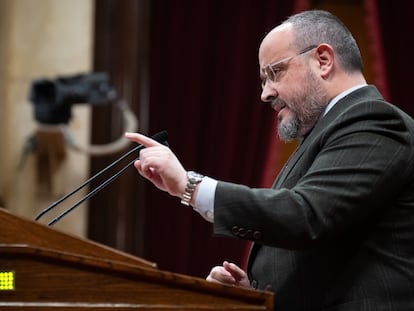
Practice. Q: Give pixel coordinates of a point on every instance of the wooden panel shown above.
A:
(52, 270)
(16, 230)
(117, 214)
(46, 276)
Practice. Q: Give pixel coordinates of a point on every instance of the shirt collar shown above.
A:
(340, 96)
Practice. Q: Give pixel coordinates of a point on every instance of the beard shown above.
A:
(306, 107)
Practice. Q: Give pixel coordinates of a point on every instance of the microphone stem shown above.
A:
(159, 137)
(87, 182)
(91, 194)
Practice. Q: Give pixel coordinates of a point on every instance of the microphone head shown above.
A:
(161, 137)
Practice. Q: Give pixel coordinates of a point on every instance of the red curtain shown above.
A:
(205, 91)
(389, 25)
(376, 47)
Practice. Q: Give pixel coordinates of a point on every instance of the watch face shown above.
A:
(194, 177)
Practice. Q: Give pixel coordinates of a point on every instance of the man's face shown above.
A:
(299, 107)
(289, 85)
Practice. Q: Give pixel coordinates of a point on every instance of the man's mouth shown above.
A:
(277, 105)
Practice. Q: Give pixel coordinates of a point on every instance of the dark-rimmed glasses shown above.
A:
(272, 71)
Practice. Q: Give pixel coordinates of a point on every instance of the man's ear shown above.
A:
(325, 57)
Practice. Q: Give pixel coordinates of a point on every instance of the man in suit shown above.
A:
(336, 231)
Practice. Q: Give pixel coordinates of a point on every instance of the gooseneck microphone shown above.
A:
(160, 137)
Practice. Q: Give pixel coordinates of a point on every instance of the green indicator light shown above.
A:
(6, 280)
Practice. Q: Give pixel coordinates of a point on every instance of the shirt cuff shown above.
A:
(204, 202)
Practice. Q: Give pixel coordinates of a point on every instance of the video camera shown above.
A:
(53, 99)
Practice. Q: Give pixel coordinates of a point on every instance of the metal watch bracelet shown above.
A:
(193, 179)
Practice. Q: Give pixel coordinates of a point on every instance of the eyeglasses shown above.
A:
(272, 71)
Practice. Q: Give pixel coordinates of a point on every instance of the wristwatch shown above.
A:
(193, 179)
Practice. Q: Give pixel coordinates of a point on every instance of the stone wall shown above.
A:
(42, 39)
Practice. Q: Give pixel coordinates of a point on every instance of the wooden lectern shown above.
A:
(44, 269)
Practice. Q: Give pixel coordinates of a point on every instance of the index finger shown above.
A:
(233, 269)
(142, 139)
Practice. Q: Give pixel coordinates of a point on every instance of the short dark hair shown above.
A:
(314, 27)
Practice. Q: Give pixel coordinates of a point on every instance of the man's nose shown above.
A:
(269, 92)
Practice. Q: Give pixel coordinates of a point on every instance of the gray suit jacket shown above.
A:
(336, 232)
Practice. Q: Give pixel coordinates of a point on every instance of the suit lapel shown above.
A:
(293, 159)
